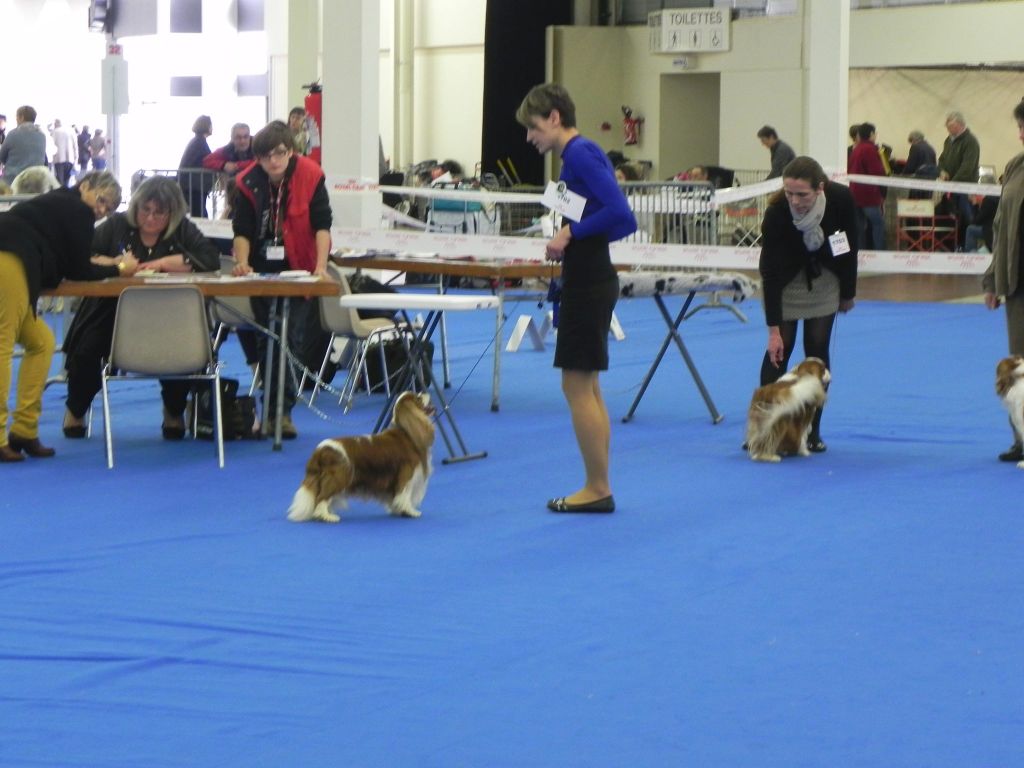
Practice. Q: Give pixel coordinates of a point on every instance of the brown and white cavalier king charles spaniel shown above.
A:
(780, 414)
(1010, 388)
(391, 467)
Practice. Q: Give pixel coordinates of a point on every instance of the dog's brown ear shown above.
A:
(413, 420)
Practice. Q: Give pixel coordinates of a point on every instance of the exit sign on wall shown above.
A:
(682, 30)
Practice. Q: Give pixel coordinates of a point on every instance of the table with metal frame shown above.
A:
(214, 286)
(417, 371)
(498, 272)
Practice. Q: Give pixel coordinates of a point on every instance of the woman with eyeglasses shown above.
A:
(282, 221)
(808, 268)
(154, 233)
(43, 241)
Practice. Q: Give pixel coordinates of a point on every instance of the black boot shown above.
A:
(1014, 453)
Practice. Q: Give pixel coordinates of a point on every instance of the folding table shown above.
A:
(658, 284)
(417, 370)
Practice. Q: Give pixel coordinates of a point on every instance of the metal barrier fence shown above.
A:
(667, 212)
(205, 191)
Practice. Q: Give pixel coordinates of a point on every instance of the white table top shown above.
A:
(419, 301)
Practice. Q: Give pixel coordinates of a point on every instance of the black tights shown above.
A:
(817, 335)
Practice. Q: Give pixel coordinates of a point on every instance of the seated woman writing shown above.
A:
(154, 231)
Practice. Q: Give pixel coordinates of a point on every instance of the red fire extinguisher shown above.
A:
(314, 104)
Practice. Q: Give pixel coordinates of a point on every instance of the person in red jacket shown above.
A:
(866, 161)
(234, 157)
(282, 220)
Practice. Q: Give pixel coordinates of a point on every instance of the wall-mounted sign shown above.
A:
(680, 30)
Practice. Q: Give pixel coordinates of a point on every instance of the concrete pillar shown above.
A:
(351, 117)
(826, 80)
(303, 50)
(402, 62)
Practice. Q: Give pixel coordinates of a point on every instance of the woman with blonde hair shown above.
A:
(43, 241)
(155, 232)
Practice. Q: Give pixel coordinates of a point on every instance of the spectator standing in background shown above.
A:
(66, 154)
(234, 157)
(83, 150)
(3, 128)
(297, 125)
(959, 160)
(25, 146)
(921, 157)
(98, 150)
(195, 182)
(866, 160)
(781, 152)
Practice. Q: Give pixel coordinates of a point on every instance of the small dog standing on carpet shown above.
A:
(1010, 388)
(780, 414)
(391, 467)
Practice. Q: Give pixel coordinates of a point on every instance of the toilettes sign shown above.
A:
(680, 30)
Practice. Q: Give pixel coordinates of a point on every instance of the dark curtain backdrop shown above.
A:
(514, 63)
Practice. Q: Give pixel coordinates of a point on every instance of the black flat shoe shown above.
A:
(1014, 453)
(172, 432)
(71, 430)
(607, 504)
(173, 427)
(30, 446)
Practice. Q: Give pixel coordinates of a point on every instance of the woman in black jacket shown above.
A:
(155, 232)
(196, 183)
(43, 241)
(808, 268)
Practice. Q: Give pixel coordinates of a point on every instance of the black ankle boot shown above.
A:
(1014, 453)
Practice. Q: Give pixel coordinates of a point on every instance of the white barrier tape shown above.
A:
(902, 182)
(481, 195)
(390, 214)
(923, 263)
(735, 194)
(485, 196)
(639, 254)
(642, 254)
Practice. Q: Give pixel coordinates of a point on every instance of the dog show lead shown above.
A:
(590, 285)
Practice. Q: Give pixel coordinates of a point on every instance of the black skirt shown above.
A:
(590, 289)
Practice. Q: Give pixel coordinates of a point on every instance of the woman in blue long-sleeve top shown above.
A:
(590, 285)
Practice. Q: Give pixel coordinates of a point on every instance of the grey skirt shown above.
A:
(799, 303)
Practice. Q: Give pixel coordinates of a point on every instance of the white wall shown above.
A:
(763, 78)
(448, 80)
(51, 61)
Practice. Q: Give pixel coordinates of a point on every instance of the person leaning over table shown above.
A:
(155, 232)
(1002, 279)
(808, 268)
(590, 284)
(43, 241)
(282, 220)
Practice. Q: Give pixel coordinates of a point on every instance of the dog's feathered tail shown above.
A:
(303, 505)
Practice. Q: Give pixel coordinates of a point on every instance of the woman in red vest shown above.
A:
(282, 221)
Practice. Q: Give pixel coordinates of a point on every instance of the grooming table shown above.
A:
(659, 284)
(417, 371)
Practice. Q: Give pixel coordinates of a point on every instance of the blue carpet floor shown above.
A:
(863, 607)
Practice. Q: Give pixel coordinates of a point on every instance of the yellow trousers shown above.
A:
(18, 324)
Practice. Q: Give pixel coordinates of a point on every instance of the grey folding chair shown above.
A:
(162, 332)
(344, 322)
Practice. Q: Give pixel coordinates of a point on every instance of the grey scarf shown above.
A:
(810, 224)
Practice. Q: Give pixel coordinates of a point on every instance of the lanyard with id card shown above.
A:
(838, 243)
(275, 251)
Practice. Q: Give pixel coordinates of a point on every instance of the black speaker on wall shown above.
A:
(514, 63)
